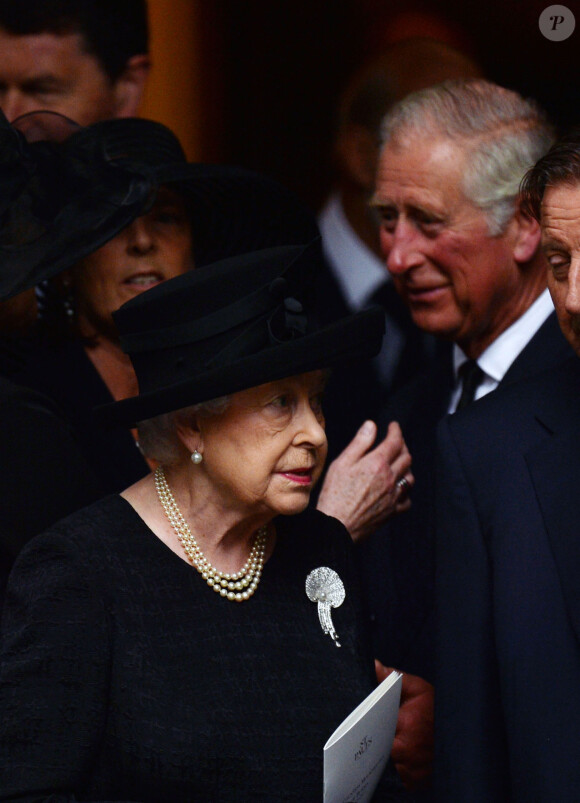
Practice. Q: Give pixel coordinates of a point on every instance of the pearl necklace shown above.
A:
(237, 587)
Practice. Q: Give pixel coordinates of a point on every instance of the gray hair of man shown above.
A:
(501, 134)
(158, 438)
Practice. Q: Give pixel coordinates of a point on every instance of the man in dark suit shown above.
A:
(466, 260)
(508, 702)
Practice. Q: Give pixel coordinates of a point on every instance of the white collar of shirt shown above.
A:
(357, 269)
(498, 357)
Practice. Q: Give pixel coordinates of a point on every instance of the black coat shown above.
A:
(45, 474)
(398, 562)
(508, 683)
(61, 370)
(123, 677)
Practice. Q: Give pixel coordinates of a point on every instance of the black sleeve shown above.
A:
(54, 674)
(45, 475)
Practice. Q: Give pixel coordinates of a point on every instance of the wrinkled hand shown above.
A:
(360, 487)
(412, 751)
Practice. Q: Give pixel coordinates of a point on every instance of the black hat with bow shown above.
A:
(241, 322)
(67, 190)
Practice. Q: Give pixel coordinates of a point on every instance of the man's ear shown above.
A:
(357, 151)
(527, 237)
(130, 86)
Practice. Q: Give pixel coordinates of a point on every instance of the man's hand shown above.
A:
(361, 488)
(412, 751)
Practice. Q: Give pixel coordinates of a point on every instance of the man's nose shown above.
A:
(401, 249)
(14, 104)
(573, 294)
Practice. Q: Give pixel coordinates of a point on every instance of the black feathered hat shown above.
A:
(58, 202)
(67, 190)
(239, 323)
(233, 210)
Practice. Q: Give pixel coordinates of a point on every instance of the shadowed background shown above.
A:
(256, 83)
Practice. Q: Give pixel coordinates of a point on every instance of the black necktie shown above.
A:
(471, 375)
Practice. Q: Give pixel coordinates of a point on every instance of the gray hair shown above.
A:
(501, 133)
(158, 437)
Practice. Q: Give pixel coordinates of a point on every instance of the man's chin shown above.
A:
(434, 324)
(574, 341)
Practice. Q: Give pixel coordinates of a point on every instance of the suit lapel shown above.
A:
(547, 348)
(555, 469)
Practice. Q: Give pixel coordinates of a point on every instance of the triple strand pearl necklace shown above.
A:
(237, 587)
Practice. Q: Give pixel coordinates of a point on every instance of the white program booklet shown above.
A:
(357, 752)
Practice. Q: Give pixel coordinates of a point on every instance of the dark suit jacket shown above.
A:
(508, 687)
(398, 562)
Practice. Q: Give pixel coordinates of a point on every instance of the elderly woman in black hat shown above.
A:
(167, 643)
(108, 209)
(119, 203)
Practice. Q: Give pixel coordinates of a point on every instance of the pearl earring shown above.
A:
(196, 457)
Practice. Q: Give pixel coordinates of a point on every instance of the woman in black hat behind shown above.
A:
(190, 213)
(165, 644)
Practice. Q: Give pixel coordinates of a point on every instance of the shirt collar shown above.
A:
(357, 269)
(497, 358)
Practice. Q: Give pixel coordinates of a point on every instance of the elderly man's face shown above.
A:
(53, 72)
(561, 245)
(458, 281)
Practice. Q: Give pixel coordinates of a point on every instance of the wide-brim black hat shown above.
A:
(233, 210)
(238, 323)
(62, 197)
(58, 203)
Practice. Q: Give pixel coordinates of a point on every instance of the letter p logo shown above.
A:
(557, 23)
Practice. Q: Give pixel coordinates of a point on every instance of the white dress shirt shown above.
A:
(359, 273)
(498, 357)
(358, 270)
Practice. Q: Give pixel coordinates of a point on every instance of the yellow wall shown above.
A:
(173, 94)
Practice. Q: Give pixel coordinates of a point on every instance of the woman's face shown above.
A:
(264, 454)
(155, 247)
